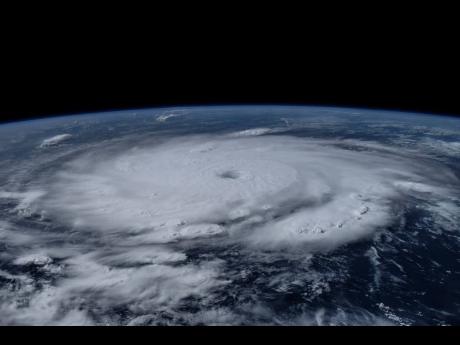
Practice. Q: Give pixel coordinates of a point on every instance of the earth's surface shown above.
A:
(231, 215)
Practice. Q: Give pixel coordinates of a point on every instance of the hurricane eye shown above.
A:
(229, 174)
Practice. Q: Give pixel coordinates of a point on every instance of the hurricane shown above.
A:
(279, 221)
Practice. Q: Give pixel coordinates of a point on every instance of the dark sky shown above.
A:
(84, 71)
(41, 90)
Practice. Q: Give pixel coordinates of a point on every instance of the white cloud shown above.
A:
(36, 259)
(163, 118)
(92, 279)
(170, 114)
(252, 132)
(53, 141)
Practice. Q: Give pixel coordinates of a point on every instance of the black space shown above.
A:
(45, 72)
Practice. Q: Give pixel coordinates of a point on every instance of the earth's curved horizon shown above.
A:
(232, 215)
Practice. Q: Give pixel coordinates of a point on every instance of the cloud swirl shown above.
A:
(135, 215)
